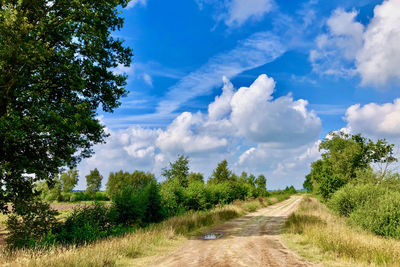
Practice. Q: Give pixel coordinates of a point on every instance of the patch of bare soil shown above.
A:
(252, 240)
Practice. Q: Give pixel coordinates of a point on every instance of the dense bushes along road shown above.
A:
(346, 180)
(137, 201)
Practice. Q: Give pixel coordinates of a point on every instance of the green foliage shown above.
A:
(344, 156)
(69, 180)
(56, 59)
(119, 180)
(93, 181)
(139, 206)
(178, 170)
(154, 210)
(52, 192)
(195, 177)
(195, 196)
(308, 184)
(130, 204)
(219, 193)
(351, 197)
(29, 223)
(380, 215)
(86, 224)
(221, 173)
(172, 196)
(261, 183)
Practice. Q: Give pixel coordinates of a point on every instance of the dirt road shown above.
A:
(252, 240)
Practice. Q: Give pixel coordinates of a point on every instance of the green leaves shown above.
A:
(56, 60)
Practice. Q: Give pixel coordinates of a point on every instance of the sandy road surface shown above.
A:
(252, 240)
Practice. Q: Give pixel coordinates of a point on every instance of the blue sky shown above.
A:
(256, 82)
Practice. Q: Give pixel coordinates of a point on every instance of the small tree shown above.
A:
(93, 181)
(69, 180)
(261, 183)
(119, 180)
(178, 170)
(221, 173)
(251, 180)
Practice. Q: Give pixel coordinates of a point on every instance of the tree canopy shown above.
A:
(56, 60)
(93, 181)
(178, 170)
(69, 180)
(343, 157)
(221, 173)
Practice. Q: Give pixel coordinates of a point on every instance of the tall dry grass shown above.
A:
(313, 224)
(143, 242)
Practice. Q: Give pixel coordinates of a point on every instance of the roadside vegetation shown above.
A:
(147, 241)
(137, 201)
(321, 236)
(358, 213)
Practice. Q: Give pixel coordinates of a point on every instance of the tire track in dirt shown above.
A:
(251, 240)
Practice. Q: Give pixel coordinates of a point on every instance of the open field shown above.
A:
(321, 237)
(155, 239)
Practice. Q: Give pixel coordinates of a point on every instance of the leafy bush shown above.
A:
(380, 215)
(172, 196)
(195, 196)
(29, 223)
(130, 205)
(101, 196)
(351, 197)
(87, 224)
(154, 211)
(220, 193)
(79, 196)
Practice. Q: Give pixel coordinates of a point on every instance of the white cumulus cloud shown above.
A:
(250, 128)
(349, 48)
(260, 118)
(379, 59)
(376, 120)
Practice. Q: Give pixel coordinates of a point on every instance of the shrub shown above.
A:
(130, 205)
(195, 196)
(172, 196)
(220, 193)
(380, 215)
(87, 224)
(79, 196)
(154, 211)
(29, 223)
(350, 197)
(101, 196)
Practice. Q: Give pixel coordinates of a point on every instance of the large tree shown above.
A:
(56, 59)
(343, 157)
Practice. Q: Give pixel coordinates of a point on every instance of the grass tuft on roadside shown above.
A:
(314, 228)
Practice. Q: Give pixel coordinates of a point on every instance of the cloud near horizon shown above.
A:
(273, 136)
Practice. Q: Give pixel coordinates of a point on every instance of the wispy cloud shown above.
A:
(255, 51)
(234, 13)
(133, 3)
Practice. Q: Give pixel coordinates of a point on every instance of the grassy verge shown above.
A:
(143, 242)
(320, 236)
